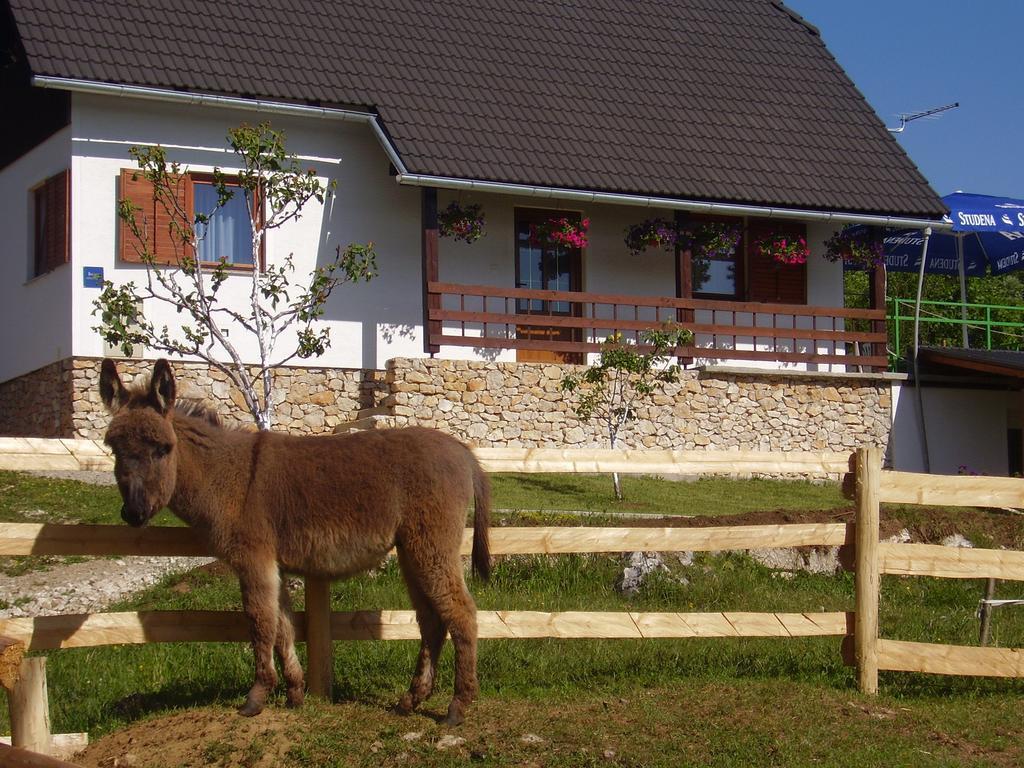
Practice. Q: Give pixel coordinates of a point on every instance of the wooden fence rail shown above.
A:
(872, 488)
(103, 540)
(29, 453)
(319, 626)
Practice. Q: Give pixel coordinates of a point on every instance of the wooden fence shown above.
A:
(318, 626)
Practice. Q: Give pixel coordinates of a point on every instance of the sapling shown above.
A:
(276, 189)
(623, 378)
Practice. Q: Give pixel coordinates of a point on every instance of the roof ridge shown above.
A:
(796, 17)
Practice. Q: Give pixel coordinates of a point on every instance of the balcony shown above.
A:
(566, 325)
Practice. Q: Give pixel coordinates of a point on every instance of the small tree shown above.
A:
(276, 189)
(624, 376)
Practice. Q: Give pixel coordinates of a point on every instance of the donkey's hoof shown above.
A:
(250, 709)
(456, 713)
(294, 698)
(406, 704)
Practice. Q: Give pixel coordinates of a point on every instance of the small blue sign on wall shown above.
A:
(92, 277)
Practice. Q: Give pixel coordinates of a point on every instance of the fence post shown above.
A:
(29, 707)
(865, 632)
(319, 647)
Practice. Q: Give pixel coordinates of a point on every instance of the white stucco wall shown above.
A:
(370, 323)
(965, 427)
(35, 313)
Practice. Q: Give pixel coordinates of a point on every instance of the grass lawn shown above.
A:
(663, 702)
(721, 702)
(706, 496)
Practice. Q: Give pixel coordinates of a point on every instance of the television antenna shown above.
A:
(906, 117)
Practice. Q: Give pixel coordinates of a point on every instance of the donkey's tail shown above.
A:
(481, 558)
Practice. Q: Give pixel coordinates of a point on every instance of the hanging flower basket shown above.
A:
(461, 222)
(562, 231)
(784, 248)
(715, 240)
(653, 233)
(855, 246)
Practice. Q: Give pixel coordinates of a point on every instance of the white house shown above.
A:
(736, 115)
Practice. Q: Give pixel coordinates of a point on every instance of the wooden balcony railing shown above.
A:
(488, 317)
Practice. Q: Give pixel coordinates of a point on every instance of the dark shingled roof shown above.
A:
(995, 362)
(717, 100)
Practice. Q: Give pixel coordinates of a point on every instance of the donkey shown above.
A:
(325, 506)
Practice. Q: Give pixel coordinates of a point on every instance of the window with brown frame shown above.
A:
(225, 236)
(51, 203)
(719, 273)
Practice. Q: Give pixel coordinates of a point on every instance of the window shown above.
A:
(51, 203)
(544, 266)
(717, 258)
(227, 235)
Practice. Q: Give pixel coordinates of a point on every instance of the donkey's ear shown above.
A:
(161, 387)
(112, 391)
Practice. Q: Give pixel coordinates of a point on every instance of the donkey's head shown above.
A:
(142, 438)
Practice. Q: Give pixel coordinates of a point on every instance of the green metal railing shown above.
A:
(989, 326)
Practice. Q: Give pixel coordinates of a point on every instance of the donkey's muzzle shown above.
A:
(135, 516)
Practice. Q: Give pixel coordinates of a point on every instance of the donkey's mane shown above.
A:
(194, 407)
(199, 409)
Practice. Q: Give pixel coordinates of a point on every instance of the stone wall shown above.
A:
(522, 405)
(38, 404)
(494, 404)
(63, 399)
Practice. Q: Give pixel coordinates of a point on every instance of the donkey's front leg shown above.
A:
(261, 583)
(285, 646)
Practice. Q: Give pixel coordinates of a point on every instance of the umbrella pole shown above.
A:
(963, 289)
(917, 344)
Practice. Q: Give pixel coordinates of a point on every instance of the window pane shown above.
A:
(542, 267)
(228, 234)
(531, 274)
(714, 276)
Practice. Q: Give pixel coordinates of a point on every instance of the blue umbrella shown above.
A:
(988, 234)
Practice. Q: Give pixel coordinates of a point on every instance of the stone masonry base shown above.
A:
(493, 404)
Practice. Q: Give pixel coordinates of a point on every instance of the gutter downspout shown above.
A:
(917, 342)
(406, 178)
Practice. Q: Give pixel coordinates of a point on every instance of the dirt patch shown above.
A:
(683, 724)
(201, 737)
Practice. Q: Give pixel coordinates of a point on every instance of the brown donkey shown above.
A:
(328, 506)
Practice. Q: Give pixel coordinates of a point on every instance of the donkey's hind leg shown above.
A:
(432, 636)
(261, 584)
(284, 644)
(458, 612)
(442, 582)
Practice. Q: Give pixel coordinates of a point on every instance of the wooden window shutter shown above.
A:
(770, 281)
(53, 223)
(153, 220)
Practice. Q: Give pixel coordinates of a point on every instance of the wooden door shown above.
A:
(544, 266)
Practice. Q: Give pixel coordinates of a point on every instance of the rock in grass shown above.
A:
(639, 565)
(448, 741)
(956, 540)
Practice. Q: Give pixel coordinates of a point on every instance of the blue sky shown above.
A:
(910, 55)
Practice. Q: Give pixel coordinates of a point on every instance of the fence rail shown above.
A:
(47, 633)
(502, 318)
(28, 453)
(319, 626)
(104, 540)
